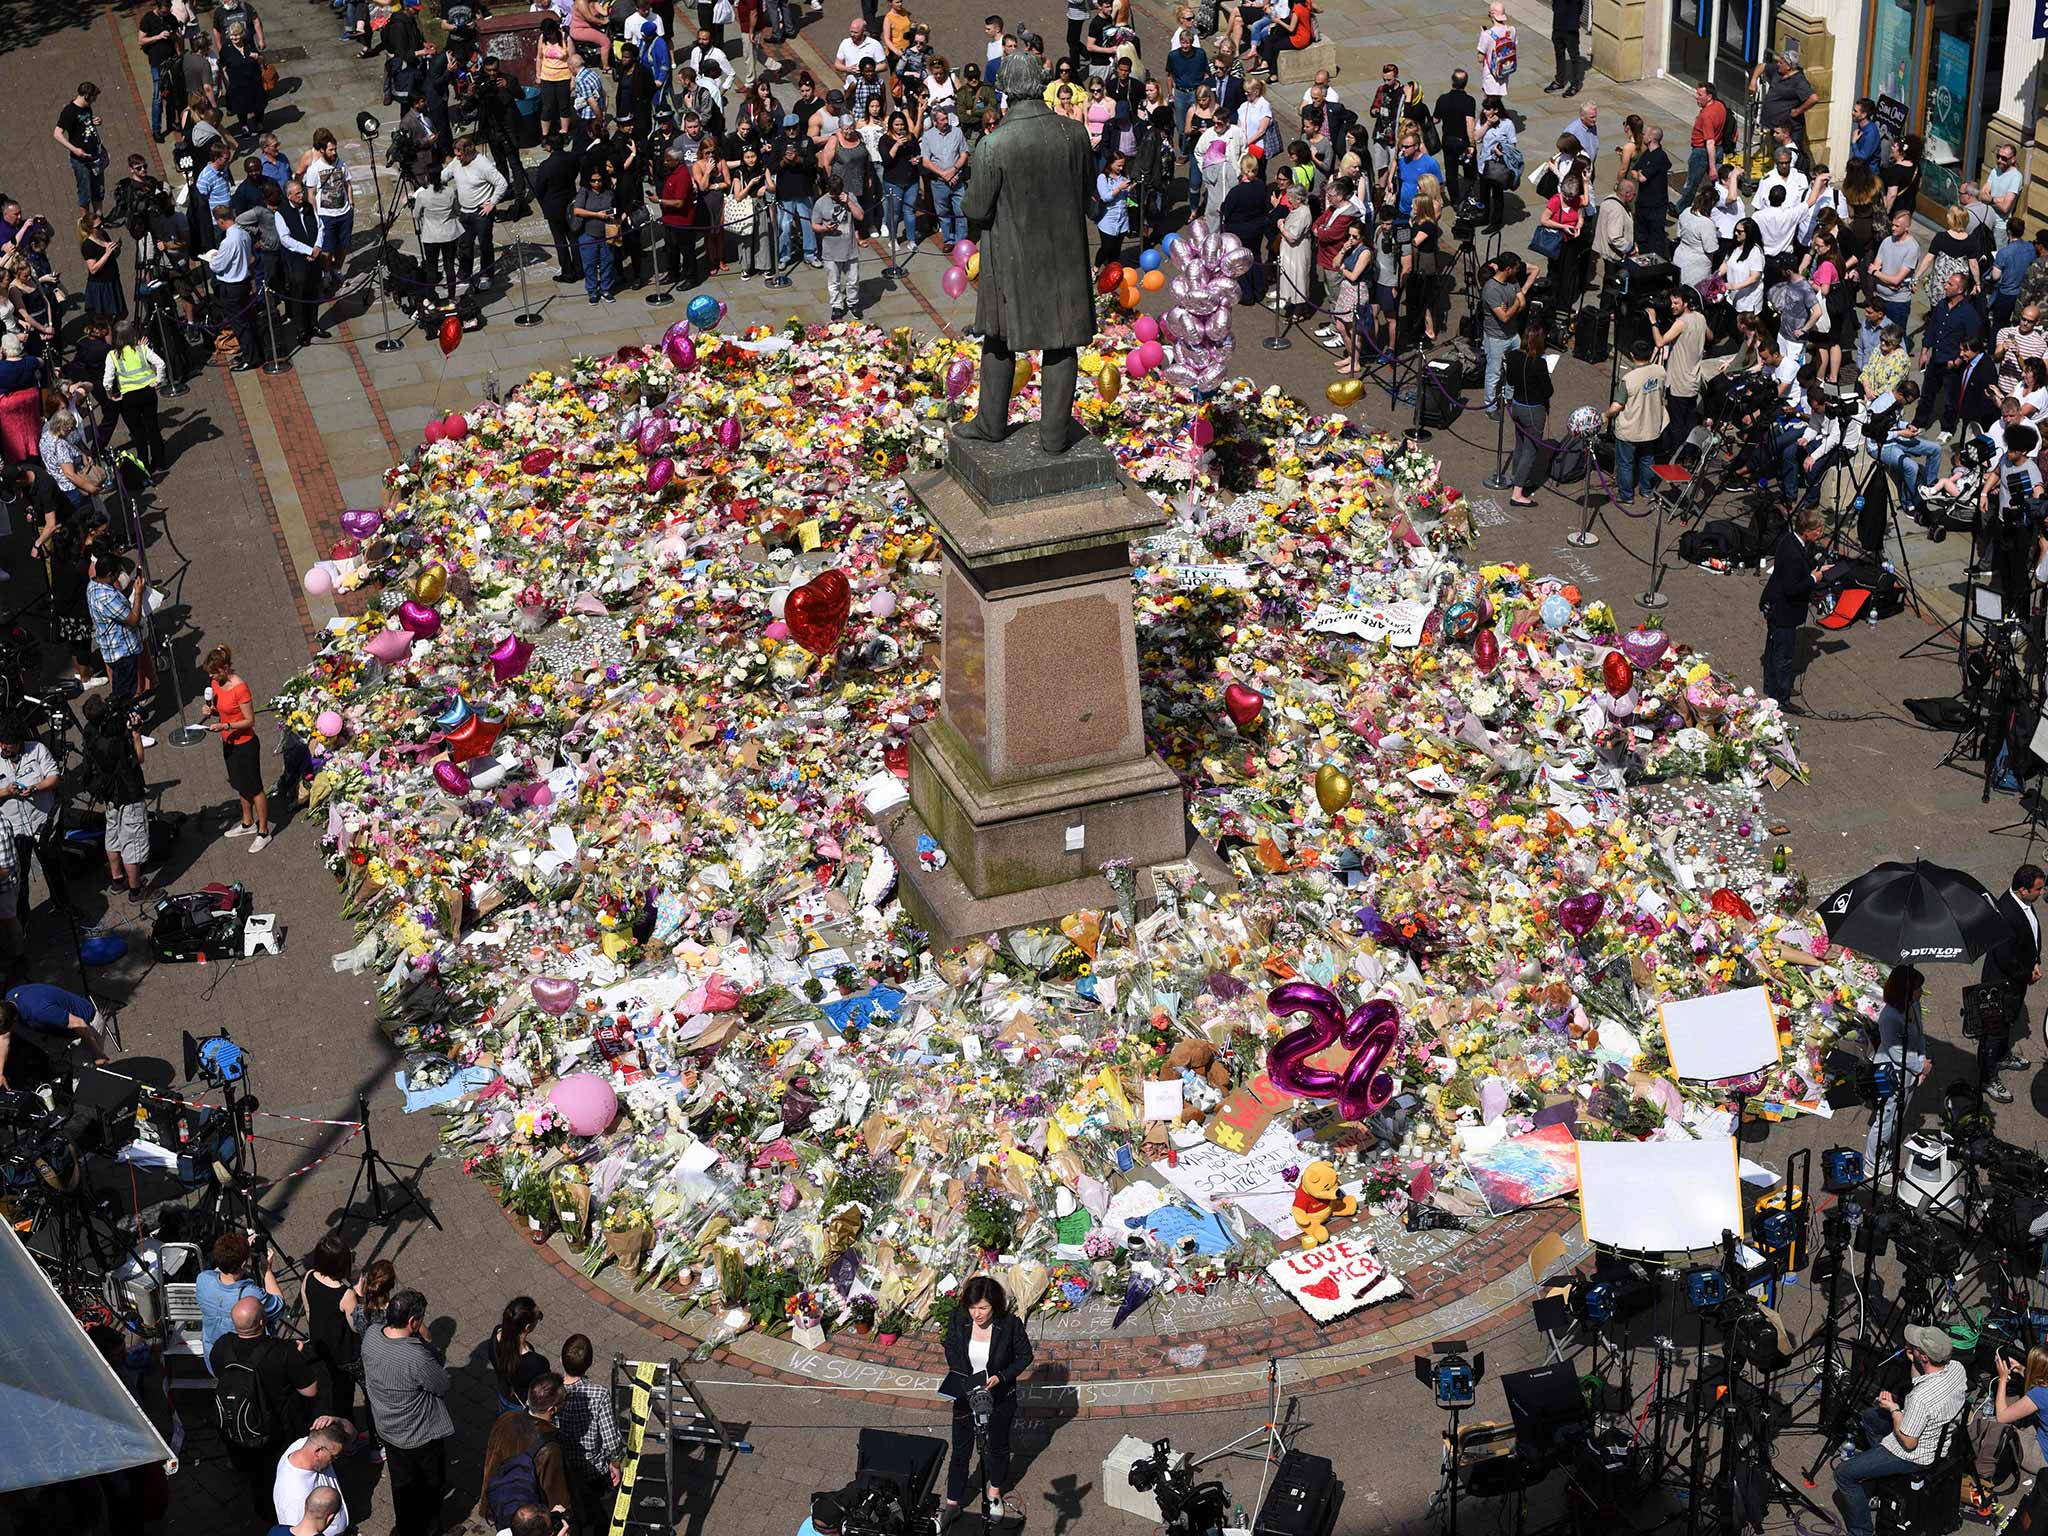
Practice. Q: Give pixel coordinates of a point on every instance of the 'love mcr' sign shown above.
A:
(1334, 1280)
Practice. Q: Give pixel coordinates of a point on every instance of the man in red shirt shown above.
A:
(679, 233)
(1704, 162)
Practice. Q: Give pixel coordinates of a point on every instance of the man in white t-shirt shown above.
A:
(854, 47)
(308, 1464)
(1777, 218)
(1784, 173)
(1491, 35)
(1320, 91)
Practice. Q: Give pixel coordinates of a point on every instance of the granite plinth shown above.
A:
(1062, 525)
(1017, 469)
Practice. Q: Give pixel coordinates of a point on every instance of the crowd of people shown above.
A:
(350, 1367)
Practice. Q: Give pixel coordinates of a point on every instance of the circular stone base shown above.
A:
(1177, 1352)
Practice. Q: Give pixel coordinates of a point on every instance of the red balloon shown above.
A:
(434, 432)
(538, 462)
(816, 612)
(451, 334)
(1486, 650)
(455, 428)
(1242, 704)
(473, 738)
(1617, 674)
(1109, 279)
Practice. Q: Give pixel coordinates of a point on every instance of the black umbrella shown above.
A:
(1914, 914)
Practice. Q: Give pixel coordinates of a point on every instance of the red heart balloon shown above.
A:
(473, 738)
(1109, 278)
(816, 612)
(1486, 650)
(450, 334)
(1242, 704)
(897, 760)
(1617, 674)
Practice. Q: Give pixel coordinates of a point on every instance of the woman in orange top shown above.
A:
(235, 718)
(555, 67)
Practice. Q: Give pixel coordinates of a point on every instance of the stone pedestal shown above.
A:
(1036, 771)
(1617, 27)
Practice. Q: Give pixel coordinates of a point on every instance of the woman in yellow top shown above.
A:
(555, 67)
(896, 26)
(1067, 98)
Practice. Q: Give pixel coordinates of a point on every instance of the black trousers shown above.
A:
(419, 1481)
(1076, 31)
(45, 850)
(1682, 415)
(139, 411)
(566, 259)
(1994, 1044)
(679, 256)
(961, 1462)
(438, 258)
(1564, 43)
(298, 293)
(476, 253)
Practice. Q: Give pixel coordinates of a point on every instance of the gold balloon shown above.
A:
(1343, 391)
(1109, 380)
(431, 583)
(974, 266)
(1021, 377)
(1333, 789)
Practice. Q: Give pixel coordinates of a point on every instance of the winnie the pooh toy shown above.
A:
(1316, 1200)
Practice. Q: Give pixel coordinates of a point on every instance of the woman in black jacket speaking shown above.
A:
(986, 1346)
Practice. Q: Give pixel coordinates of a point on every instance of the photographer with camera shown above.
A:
(2031, 1378)
(1794, 580)
(219, 1289)
(987, 1349)
(1902, 1438)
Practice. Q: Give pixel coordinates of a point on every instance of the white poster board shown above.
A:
(1730, 1034)
(1254, 1181)
(1659, 1196)
(1334, 1279)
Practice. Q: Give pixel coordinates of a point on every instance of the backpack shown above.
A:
(516, 1482)
(1727, 144)
(1500, 58)
(242, 1406)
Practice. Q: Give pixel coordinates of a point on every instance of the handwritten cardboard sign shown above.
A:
(1334, 1280)
(1399, 624)
(1254, 1181)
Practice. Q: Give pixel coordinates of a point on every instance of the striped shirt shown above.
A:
(1931, 1402)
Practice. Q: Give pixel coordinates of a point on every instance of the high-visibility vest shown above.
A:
(133, 371)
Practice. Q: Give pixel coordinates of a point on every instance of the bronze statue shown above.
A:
(1027, 207)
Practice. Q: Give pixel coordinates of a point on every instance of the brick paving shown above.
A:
(265, 464)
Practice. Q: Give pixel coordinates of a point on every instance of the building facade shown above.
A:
(1965, 75)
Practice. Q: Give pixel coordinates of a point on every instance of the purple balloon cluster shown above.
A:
(1204, 291)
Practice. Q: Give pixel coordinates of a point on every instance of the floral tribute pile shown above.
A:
(600, 769)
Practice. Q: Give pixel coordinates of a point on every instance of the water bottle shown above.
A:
(1780, 858)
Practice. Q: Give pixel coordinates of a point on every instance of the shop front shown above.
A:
(1937, 67)
(1719, 41)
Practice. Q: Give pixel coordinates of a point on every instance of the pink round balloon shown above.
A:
(329, 724)
(1154, 354)
(954, 281)
(434, 432)
(776, 630)
(586, 1101)
(681, 352)
(654, 435)
(882, 604)
(963, 252)
(1135, 364)
(1203, 431)
(389, 645)
(318, 581)
(1146, 327)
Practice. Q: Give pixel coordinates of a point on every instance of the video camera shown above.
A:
(1186, 1507)
(138, 205)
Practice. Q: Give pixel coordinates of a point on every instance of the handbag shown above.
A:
(739, 215)
(269, 78)
(1547, 242)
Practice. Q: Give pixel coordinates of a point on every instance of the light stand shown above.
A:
(1455, 1383)
(371, 1164)
(367, 125)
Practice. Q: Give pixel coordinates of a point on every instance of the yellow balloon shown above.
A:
(1109, 380)
(1021, 377)
(974, 266)
(1333, 789)
(431, 583)
(1343, 391)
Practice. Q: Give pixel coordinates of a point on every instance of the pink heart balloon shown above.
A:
(554, 994)
(389, 645)
(361, 522)
(509, 657)
(451, 778)
(419, 619)
(1576, 915)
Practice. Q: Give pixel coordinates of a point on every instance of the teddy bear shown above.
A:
(1316, 1200)
(1203, 1077)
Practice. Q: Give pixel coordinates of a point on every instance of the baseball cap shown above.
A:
(1931, 1342)
(835, 99)
(648, 29)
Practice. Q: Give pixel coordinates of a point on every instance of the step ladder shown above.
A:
(665, 1417)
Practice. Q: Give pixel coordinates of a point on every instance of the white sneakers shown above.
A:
(244, 830)
(261, 842)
